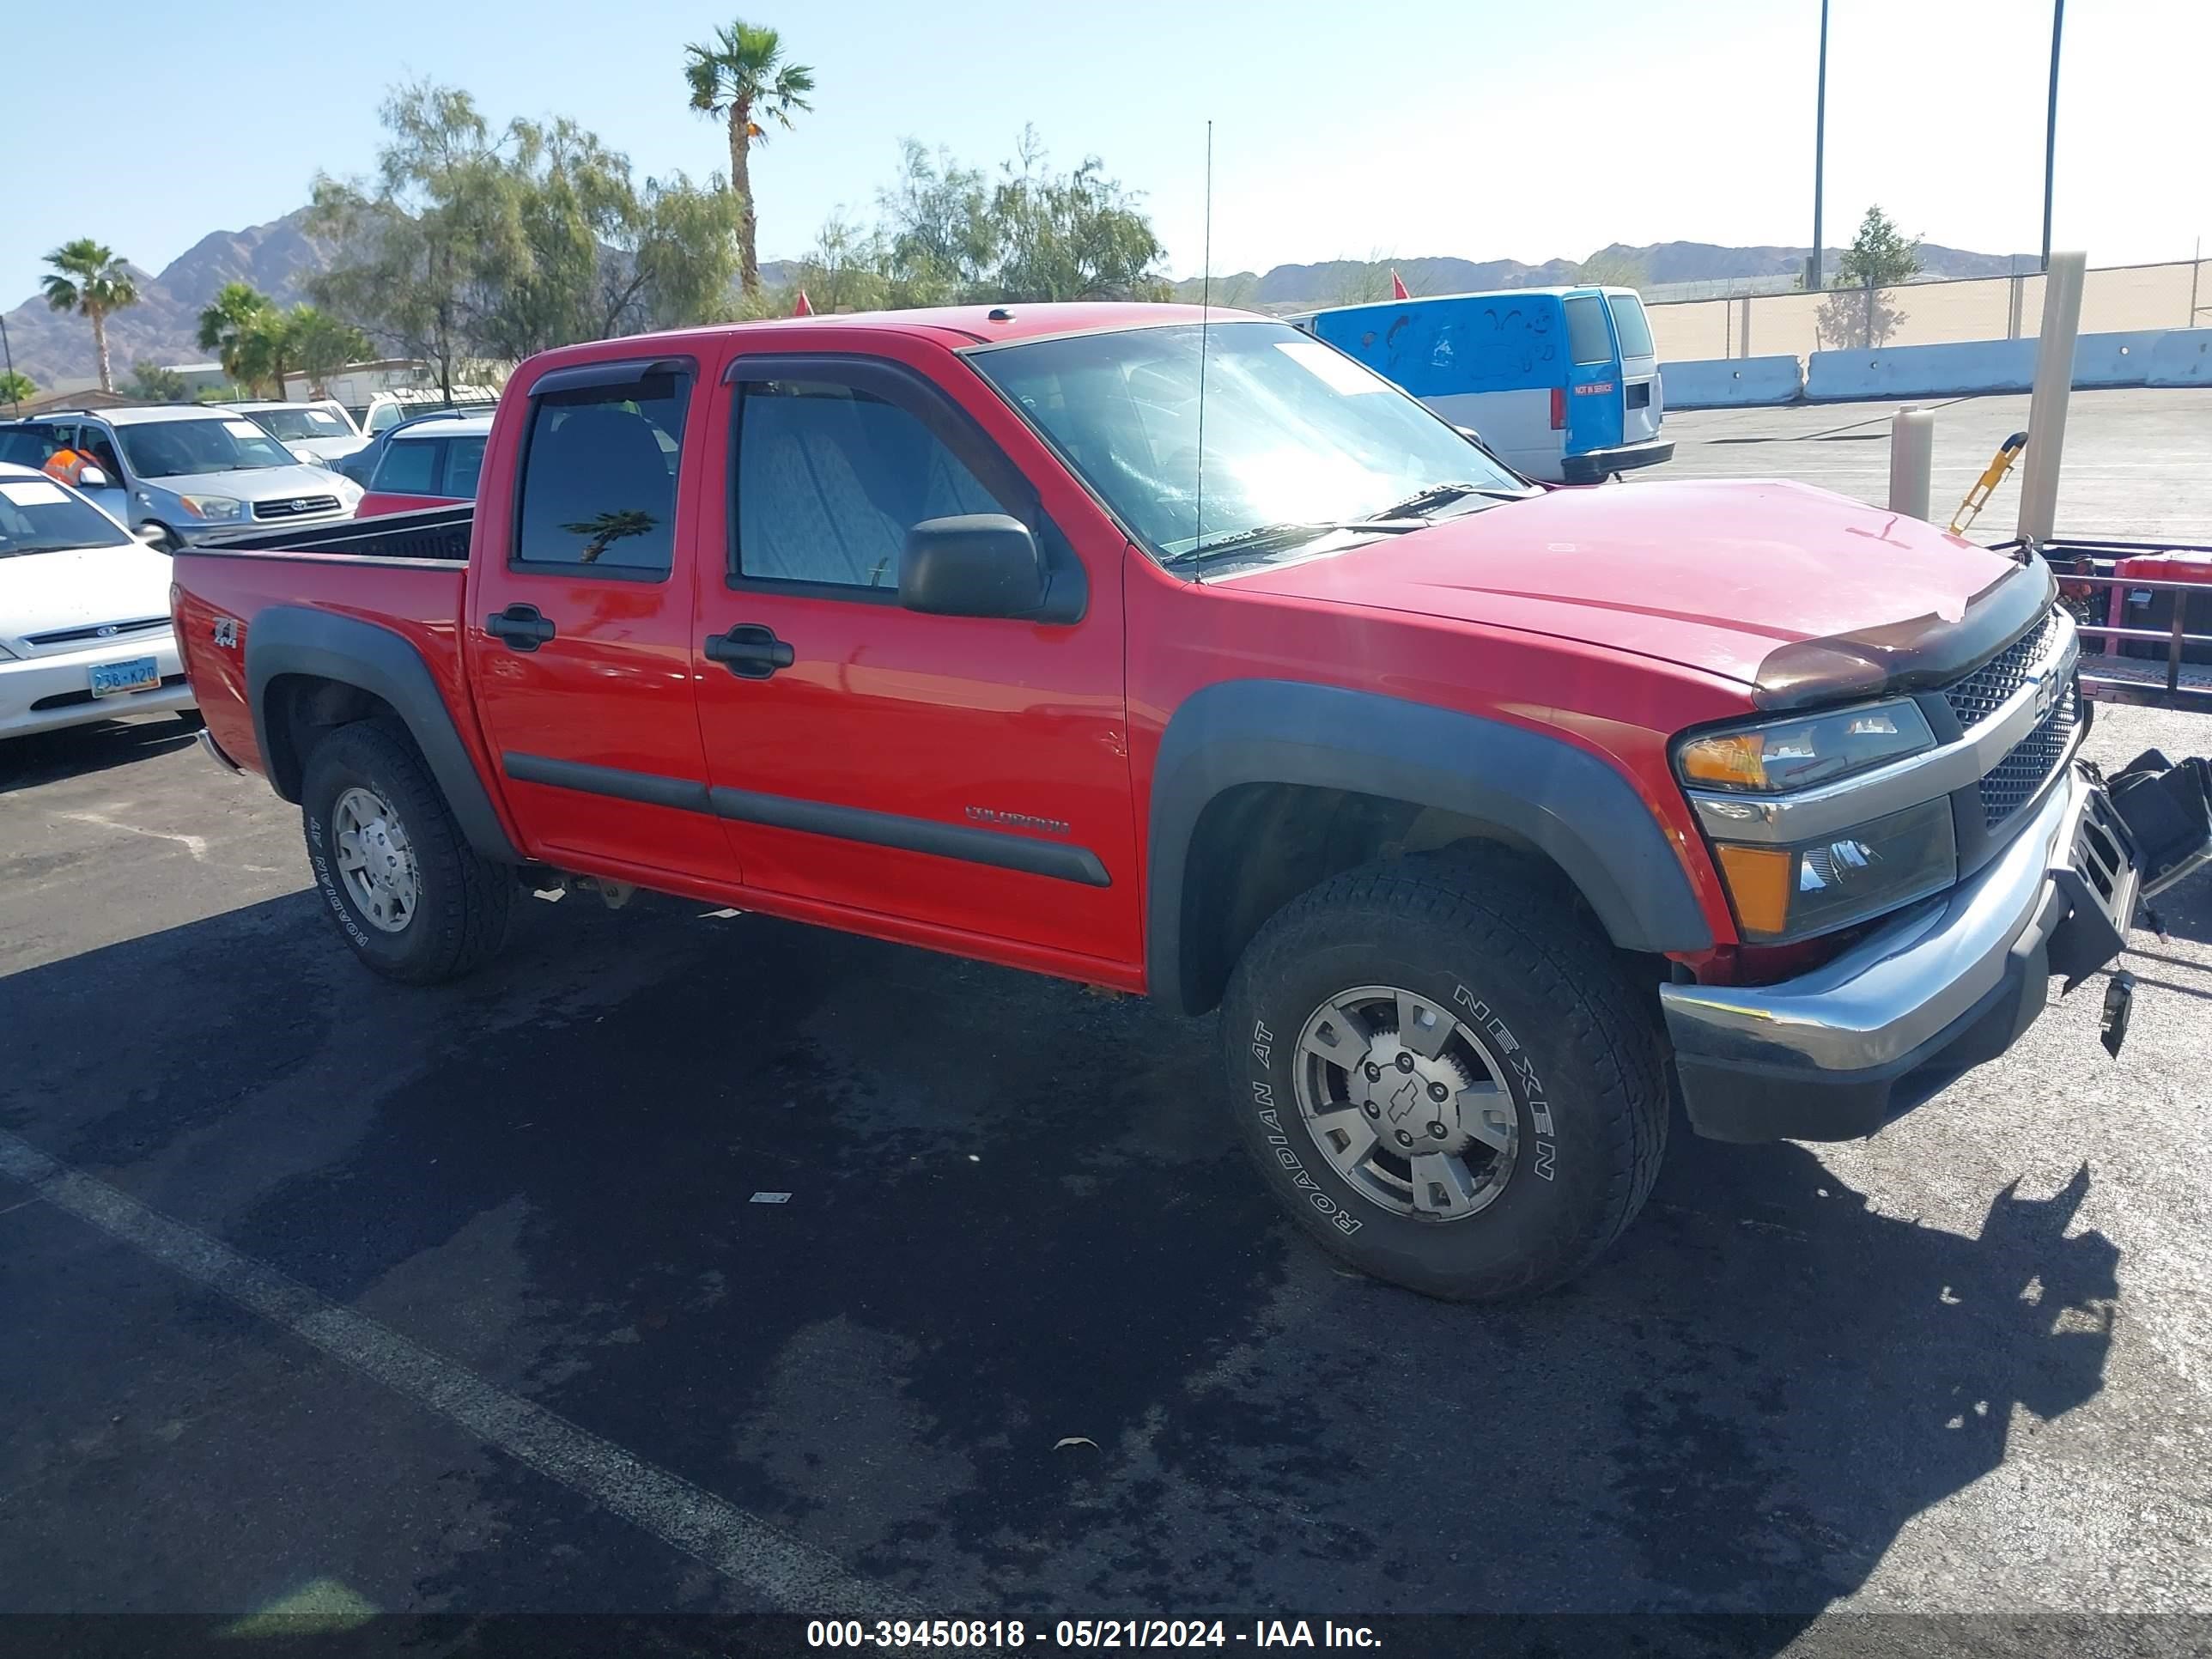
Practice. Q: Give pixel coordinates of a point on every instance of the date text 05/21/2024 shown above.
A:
(985, 1634)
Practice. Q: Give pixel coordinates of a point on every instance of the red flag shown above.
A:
(1397, 287)
(802, 309)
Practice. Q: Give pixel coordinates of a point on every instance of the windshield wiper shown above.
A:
(1267, 537)
(1443, 494)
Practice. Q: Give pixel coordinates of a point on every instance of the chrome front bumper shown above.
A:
(1948, 984)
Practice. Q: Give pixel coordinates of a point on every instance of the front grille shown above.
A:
(1985, 690)
(97, 631)
(2014, 780)
(298, 507)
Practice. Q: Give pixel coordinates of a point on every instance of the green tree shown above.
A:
(266, 353)
(937, 240)
(155, 384)
(1862, 311)
(15, 386)
(844, 270)
(742, 78)
(599, 255)
(1070, 236)
(88, 279)
(681, 251)
(226, 322)
(322, 345)
(417, 239)
(950, 233)
(473, 242)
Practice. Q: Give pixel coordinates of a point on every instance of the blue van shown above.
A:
(1561, 382)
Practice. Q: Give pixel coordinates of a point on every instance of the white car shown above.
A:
(85, 633)
(320, 431)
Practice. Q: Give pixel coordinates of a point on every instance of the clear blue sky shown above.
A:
(1471, 127)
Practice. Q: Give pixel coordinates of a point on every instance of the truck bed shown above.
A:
(432, 535)
(395, 571)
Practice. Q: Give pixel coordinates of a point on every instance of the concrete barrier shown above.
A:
(1928, 371)
(2136, 357)
(2183, 356)
(1732, 382)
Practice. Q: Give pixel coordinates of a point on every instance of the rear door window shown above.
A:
(1588, 341)
(1630, 323)
(598, 476)
(410, 467)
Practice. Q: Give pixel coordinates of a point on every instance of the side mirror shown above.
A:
(978, 564)
(153, 536)
(92, 477)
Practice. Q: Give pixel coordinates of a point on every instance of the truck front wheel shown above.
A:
(414, 900)
(1444, 1078)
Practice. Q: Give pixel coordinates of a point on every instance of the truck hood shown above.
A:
(87, 587)
(1724, 577)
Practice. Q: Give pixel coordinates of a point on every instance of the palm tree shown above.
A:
(742, 77)
(88, 277)
(226, 326)
(609, 528)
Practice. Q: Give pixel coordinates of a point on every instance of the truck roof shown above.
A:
(973, 324)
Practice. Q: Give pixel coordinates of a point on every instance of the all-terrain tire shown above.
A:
(465, 902)
(1576, 1050)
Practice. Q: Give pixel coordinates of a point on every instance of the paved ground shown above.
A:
(460, 1301)
(2135, 459)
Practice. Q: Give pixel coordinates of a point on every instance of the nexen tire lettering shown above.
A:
(1546, 1151)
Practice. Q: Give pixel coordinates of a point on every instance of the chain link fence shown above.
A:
(2114, 299)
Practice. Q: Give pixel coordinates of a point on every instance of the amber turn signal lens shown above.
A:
(1758, 880)
(1736, 761)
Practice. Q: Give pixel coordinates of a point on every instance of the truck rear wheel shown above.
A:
(1444, 1078)
(413, 899)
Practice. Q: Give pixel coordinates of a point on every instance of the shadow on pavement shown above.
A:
(44, 756)
(1012, 1220)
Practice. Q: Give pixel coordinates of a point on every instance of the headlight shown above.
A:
(215, 510)
(1798, 753)
(1818, 886)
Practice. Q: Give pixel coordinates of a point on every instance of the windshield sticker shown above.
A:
(243, 429)
(1335, 370)
(34, 494)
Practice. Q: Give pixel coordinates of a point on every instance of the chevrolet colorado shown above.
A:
(1487, 814)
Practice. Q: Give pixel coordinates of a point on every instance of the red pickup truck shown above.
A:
(1485, 813)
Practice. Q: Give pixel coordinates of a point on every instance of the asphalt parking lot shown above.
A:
(2134, 463)
(323, 1296)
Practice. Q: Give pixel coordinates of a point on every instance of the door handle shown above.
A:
(519, 627)
(749, 650)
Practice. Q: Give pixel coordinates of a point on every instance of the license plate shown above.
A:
(138, 674)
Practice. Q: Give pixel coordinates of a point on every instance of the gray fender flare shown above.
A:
(293, 640)
(1572, 806)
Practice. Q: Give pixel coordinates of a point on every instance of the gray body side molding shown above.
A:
(1580, 811)
(293, 640)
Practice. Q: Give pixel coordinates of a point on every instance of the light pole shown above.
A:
(1820, 149)
(2051, 128)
